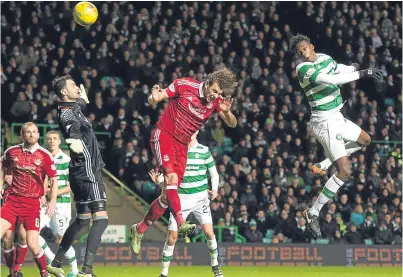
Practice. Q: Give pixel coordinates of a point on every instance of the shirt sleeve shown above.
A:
(70, 124)
(308, 73)
(212, 171)
(173, 89)
(218, 108)
(342, 68)
(50, 167)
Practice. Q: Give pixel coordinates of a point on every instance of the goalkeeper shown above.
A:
(85, 175)
(195, 198)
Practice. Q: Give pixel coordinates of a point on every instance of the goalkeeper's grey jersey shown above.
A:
(74, 124)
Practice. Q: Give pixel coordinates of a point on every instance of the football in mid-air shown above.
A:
(85, 13)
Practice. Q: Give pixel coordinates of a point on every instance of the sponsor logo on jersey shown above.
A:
(38, 162)
(197, 111)
(197, 155)
(26, 168)
(192, 167)
(166, 158)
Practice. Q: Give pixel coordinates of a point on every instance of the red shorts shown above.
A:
(170, 153)
(23, 210)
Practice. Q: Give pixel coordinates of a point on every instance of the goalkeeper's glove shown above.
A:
(83, 94)
(75, 145)
(371, 73)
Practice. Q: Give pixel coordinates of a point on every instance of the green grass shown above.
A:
(235, 271)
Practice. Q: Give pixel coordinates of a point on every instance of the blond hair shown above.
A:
(26, 125)
(226, 80)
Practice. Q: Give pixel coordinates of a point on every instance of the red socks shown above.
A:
(20, 257)
(9, 257)
(40, 261)
(155, 211)
(174, 204)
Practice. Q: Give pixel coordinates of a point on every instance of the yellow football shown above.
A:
(85, 13)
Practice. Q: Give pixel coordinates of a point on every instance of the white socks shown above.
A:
(50, 256)
(72, 260)
(351, 147)
(212, 247)
(331, 187)
(166, 258)
(169, 251)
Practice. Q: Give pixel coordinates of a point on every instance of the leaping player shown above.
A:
(319, 76)
(190, 106)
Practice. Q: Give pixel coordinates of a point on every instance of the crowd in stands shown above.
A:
(263, 163)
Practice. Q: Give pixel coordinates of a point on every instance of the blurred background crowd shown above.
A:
(263, 163)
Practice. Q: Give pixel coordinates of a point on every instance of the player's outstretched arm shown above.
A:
(342, 68)
(343, 78)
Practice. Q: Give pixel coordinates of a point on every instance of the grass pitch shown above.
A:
(234, 271)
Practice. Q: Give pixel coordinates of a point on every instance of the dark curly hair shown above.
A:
(297, 39)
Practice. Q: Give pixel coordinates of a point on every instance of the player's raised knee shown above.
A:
(365, 139)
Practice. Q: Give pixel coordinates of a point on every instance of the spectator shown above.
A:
(252, 234)
(352, 236)
(341, 226)
(21, 108)
(303, 234)
(368, 227)
(218, 133)
(357, 216)
(384, 234)
(329, 227)
(338, 239)
(227, 235)
(249, 198)
(261, 222)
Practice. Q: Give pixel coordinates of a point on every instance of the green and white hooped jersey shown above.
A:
(322, 98)
(195, 179)
(62, 162)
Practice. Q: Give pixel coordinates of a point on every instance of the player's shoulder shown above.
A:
(187, 82)
(322, 56)
(303, 64)
(63, 157)
(45, 152)
(202, 148)
(17, 147)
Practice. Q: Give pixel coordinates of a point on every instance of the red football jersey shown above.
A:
(186, 111)
(28, 168)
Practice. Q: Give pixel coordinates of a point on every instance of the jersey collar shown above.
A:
(66, 105)
(32, 150)
(201, 92)
(197, 144)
